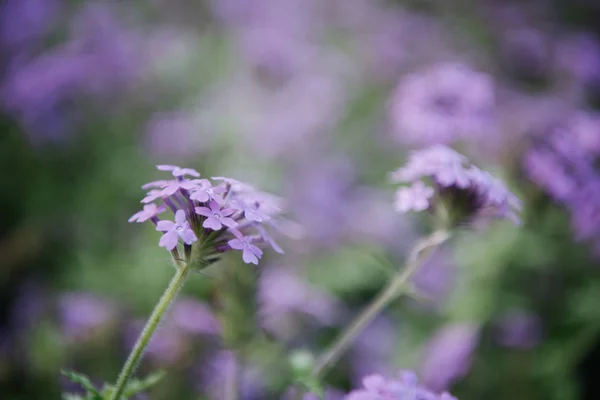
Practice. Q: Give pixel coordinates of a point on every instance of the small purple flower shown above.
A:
(413, 198)
(171, 187)
(216, 217)
(205, 192)
(150, 211)
(405, 387)
(175, 230)
(250, 253)
(178, 171)
(448, 355)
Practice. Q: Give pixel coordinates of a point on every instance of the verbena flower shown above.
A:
(564, 165)
(405, 387)
(448, 355)
(442, 104)
(443, 182)
(210, 218)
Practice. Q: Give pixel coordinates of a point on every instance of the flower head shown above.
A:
(443, 182)
(404, 387)
(442, 104)
(211, 217)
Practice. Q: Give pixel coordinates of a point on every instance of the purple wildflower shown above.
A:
(172, 186)
(443, 103)
(250, 253)
(150, 211)
(205, 192)
(208, 212)
(83, 313)
(215, 216)
(405, 387)
(175, 230)
(564, 166)
(457, 189)
(518, 329)
(448, 355)
(178, 171)
(413, 198)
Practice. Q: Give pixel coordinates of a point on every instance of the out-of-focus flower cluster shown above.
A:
(406, 386)
(461, 190)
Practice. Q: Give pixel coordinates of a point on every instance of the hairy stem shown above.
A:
(397, 285)
(142, 342)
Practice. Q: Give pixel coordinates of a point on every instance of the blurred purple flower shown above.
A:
(166, 346)
(214, 373)
(24, 22)
(173, 134)
(579, 56)
(447, 355)
(518, 329)
(82, 313)
(284, 296)
(376, 387)
(372, 351)
(192, 316)
(175, 230)
(413, 198)
(563, 164)
(443, 103)
(464, 188)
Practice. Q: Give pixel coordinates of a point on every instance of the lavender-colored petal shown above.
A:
(228, 222)
(188, 236)
(236, 244)
(165, 225)
(200, 195)
(169, 240)
(212, 223)
(206, 212)
(180, 217)
(249, 257)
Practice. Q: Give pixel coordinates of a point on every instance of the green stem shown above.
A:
(397, 285)
(159, 311)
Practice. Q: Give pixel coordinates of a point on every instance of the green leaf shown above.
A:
(139, 385)
(85, 383)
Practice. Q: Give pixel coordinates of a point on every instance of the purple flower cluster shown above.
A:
(405, 387)
(442, 181)
(443, 103)
(564, 166)
(214, 215)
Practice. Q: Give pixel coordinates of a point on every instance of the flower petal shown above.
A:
(212, 223)
(249, 257)
(188, 236)
(169, 240)
(165, 225)
(203, 211)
